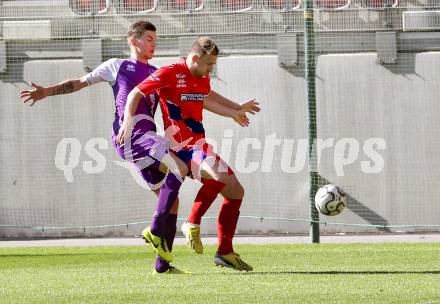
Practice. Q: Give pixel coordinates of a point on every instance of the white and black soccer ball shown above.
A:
(330, 200)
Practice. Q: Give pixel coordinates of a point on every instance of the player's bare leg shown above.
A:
(217, 177)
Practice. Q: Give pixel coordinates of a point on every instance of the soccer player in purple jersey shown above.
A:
(146, 150)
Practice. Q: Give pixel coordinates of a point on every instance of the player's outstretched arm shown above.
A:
(39, 92)
(216, 97)
(250, 106)
(238, 115)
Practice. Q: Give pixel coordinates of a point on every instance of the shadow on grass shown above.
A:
(366, 272)
(73, 254)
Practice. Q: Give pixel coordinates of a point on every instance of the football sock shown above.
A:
(168, 194)
(227, 223)
(170, 234)
(204, 199)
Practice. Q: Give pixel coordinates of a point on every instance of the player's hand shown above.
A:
(241, 118)
(250, 106)
(35, 94)
(120, 138)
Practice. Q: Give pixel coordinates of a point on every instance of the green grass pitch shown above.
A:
(298, 273)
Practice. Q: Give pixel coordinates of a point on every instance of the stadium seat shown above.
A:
(83, 7)
(285, 5)
(236, 5)
(188, 5)
(332, 4)
(381, 3)
(138, 5)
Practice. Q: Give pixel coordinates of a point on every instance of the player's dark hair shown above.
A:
(205, 45)
(138, 28)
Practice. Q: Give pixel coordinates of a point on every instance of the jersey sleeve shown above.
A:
(105, 72)
(158, 80)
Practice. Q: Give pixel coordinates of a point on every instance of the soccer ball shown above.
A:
(330, 200)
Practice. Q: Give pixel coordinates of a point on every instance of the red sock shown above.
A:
(204, 199)
(227, 222)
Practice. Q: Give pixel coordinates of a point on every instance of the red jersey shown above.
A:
(181, 98)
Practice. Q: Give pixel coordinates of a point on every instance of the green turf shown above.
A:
(306, 273)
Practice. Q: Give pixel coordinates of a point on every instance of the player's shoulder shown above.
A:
(169, 68)
(112, 62)
(180, 67)
(166, 71)
(176, 70)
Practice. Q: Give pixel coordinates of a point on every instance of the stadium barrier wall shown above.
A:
(361, 105)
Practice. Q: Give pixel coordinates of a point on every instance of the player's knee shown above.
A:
(222, 178)
(238, 189)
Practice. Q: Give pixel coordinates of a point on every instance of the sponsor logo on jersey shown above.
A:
(180, 76)
(192, 97)
(154, 77)
(181, 83)
(131, 68)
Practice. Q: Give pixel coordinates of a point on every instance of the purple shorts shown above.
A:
(144, 151)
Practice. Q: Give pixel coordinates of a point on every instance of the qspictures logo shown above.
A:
(245, 155)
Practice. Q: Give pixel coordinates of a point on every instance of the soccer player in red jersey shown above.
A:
(184, 91)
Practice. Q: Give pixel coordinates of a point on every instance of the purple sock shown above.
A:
(161, 265)
(168, 194)
(170, 234)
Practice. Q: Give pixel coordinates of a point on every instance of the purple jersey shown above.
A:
(124, 75)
